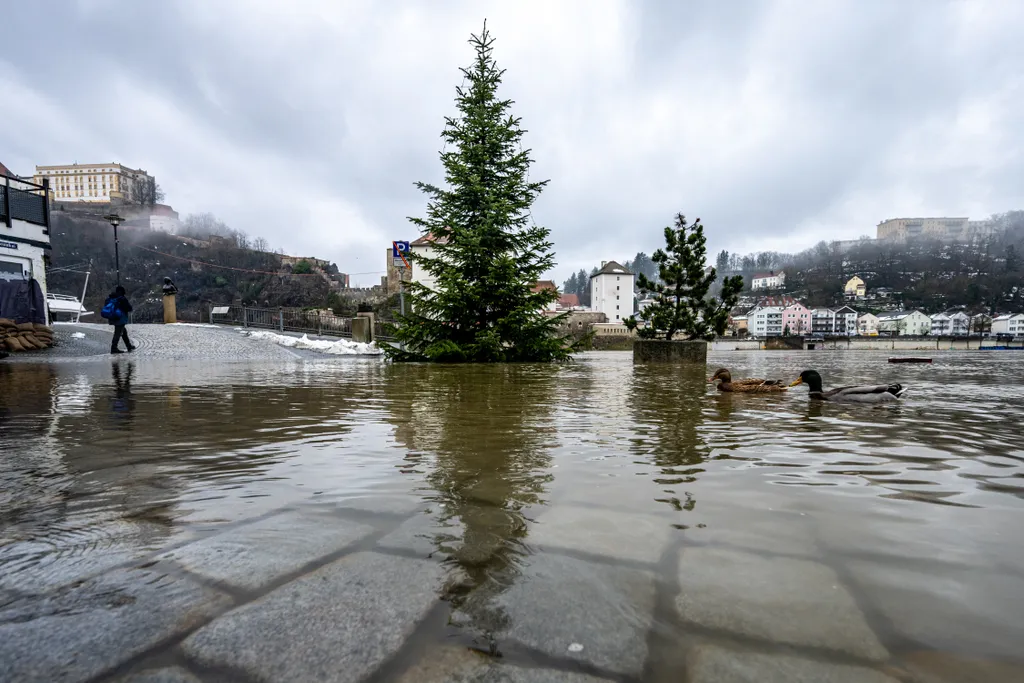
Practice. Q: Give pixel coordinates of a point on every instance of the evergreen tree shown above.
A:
(488, 254)
(583, 282)
(722, 262)
(681, 302)
(571, 286)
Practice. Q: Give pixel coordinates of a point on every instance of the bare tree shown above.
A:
(260, 244)
(143, 190)
(202, 225)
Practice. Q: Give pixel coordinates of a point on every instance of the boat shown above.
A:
(65, 303)
(909, 359)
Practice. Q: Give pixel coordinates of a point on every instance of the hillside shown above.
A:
(147, 256)
(985, 275)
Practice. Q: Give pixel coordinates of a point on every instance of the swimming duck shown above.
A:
(878, 393)
(750, 386)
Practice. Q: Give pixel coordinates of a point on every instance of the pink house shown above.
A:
(796, 318)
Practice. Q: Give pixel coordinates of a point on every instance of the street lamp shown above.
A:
(115, 220)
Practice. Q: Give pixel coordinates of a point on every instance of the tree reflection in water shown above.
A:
(485, 432)
(668, 402)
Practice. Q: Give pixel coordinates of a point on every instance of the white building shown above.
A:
(1011, 323)
(823, 321)
(90, 182)
(867, 325)
(904, 323)
(24, 230)
(765, 321)
(769, 280)
(955, 324)
(611, 291)
(846, 322)
(424, 246)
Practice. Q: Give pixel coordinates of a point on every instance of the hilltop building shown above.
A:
(769, 280)
(89, 182)
(949, 229)
(855, 288)
(611, 291)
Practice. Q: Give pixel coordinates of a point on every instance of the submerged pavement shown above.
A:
(585, 584)
(91, 341)
(343, 594)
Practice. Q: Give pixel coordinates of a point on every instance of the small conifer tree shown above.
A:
(681, 303)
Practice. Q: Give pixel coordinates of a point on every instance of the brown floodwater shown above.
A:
(917, 507)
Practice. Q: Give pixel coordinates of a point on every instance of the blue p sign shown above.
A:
(398, 247)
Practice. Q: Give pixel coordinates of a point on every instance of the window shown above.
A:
(616, 297)
(616, 317)
(616, 308)
(616, 278)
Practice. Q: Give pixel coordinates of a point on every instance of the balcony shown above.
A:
(24, 201)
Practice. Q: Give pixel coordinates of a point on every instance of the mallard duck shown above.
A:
(750, 386)
(877, 393)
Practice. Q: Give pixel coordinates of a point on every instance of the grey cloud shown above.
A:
(767, 119)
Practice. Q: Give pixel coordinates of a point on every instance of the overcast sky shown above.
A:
(779, 123)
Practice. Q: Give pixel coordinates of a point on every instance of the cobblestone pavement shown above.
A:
(84, 342)
(340, 594)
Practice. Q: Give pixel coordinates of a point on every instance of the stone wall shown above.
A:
(673, 351)
(784, 343)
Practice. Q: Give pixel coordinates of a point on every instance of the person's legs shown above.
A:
(118, 333)
(124, 335)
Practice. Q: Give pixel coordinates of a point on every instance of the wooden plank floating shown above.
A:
(909, 359)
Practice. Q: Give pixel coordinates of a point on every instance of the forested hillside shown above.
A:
(147, 256)
(983, 275)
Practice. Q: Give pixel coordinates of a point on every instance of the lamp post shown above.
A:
(115, 220)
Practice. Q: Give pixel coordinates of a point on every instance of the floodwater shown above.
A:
(914, 511)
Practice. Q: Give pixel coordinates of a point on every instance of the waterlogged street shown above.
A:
(311, 518)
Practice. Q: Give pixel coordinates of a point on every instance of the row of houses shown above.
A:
(784, 316)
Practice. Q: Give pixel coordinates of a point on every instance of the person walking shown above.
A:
(116, 311)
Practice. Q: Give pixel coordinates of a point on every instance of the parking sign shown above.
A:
(399, 248)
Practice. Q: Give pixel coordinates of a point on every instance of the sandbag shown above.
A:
(39, 327)
(29, 342)
(6, 322)
(26, 327)
(13, 344)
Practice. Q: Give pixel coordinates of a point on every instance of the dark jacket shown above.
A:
(122, 305)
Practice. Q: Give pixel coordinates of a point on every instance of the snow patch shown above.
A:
(341, 347)
(78, 335)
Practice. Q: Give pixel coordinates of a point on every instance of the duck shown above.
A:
(868, 393)
(749, 386)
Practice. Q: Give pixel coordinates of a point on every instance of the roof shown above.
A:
(427, 240)
(612, 268)
(569, 300)
(890, 315)
(5, 171)
(543, 284)
(781, 301)
(771, 273)
(846, 309)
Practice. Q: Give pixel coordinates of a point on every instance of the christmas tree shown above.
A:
(487, 253)
(681, 303)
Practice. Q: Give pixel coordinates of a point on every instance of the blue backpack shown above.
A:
(110, 311)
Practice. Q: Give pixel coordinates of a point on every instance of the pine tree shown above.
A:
(583, 283)
(488, 253)
(571, 285)
(681, 302)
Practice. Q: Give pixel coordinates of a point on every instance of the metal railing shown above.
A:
(25, 201)
(285, 320)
